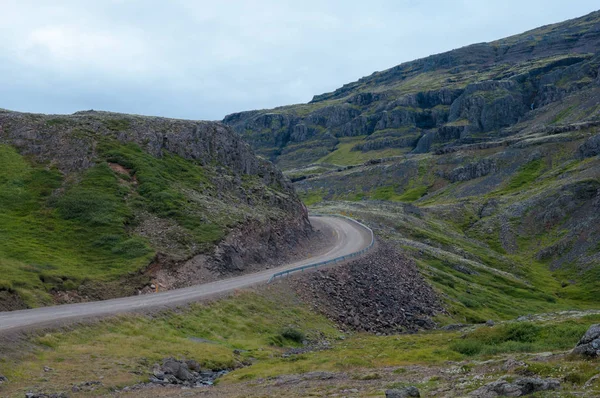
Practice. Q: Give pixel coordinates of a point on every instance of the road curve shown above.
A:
(350, 237)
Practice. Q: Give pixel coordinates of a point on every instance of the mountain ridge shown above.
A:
(443, 99)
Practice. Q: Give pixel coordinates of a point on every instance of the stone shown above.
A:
(590, 148)
(186, 373)
(591, 381)
(512, 363)
(193, 365)
(381, 292)
(490, 323)
(518, 388)
(406, 392)
(178, 369)
(589, 345)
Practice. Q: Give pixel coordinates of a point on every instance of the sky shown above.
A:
(206, 59)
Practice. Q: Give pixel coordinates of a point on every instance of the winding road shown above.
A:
(350, 237)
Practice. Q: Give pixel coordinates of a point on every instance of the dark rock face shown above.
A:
(424, 143)
(589, 345)
(591, 147)
(472, 170)
(382, 292)
(489, 105)
(518, 388)
(386, 142)
(407, 392)
(71, 141)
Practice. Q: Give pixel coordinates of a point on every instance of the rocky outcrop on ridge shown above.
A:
(445, 99)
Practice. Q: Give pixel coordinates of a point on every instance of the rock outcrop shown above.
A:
(589, 345)
(407, 392)
(517, 388)
(472, 170)
(184, 373)
(591, 147)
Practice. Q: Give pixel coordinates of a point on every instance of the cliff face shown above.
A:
(459, 96)
(71, 142)
(95, 197)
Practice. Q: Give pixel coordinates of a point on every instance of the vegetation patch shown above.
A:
(343, 155)
(311, 198)
(124, 348)
(47, 240)
(522, 337)
(528, 174)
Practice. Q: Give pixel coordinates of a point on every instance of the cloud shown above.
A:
(201, 59)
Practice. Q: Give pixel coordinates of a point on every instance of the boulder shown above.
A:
(406, 392)
(512, 363)
(589, 345)
(590, 148)
(518, 388)
(185, 373)
(179, 369)
(193, 365)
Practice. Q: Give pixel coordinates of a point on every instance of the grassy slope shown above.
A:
(123, 349)
(344, 156)
(48, 242)
(57, 232)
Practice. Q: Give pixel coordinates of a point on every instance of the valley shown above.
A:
(478, 171)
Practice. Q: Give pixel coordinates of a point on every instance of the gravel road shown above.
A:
(349, 238)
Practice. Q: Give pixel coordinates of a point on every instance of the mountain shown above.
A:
(96, 205)
(482, 164)
(467, 95)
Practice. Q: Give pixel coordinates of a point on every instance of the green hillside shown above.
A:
(93, 231)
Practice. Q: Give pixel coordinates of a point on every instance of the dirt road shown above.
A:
(350, 237)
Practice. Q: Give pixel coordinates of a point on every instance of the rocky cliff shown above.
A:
(93, 199)
(461, 96)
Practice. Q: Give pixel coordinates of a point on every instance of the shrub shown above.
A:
(467, 347)
(294, 335)
(6, 286)
(520, 332)
(131, 248)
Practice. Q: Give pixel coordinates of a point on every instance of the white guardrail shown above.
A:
(334, 260)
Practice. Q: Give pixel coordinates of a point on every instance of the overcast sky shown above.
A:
(205, 59)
